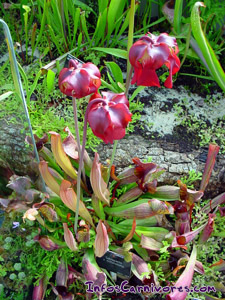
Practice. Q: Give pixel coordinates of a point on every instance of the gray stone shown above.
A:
(172, 157)
(179, 168)
(155, 151)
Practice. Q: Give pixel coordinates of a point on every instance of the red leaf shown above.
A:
(210, 162)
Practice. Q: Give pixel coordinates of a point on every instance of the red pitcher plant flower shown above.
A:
(79, 80)
(150, 53)
(109, 116)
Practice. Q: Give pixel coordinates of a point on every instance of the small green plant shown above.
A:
(191, 178)
(204, 132)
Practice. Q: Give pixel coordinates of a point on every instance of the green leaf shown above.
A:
(84, 6)
(50, 80)
(79, 41)
(177, 16)
(55, 40)
(100, 28)
(108, 86)
(125, 22)
(33, 86)
(152, 221)
(76, 20)
(136, 92)
(102, 5)
(113, 51)
(220, 234)
(43, 21)
(207, 51)
(84, 26)
(114, 85)
(5, 95)
(115, 70)
(115, 10)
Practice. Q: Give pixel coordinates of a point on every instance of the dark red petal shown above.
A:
(92, 70)
(147, 77)
(113, 133)
(64, 73)
(108, 122)
(121, 98)
(180, 207)
(94, 96)
(79, 80)
(99, 121)
(118, 133)
(94, 85)
(149, 38)
(120, 115)
(159, 55)
(168, 40)
(136, 52)
(73, 63)
(137, 74)
(115, 98)
(174, 65)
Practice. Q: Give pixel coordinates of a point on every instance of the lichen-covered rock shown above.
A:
(175, 163)
(13, 151)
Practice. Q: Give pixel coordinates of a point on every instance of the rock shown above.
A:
(172, 148)
(175, 163)
(13, 151)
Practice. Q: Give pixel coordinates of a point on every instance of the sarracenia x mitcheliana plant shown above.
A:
(140, 222)
(132, 219)
(107, 116)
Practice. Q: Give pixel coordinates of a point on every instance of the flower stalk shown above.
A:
(81, 158)
(112, 159)
(76, 125)
(130, 35)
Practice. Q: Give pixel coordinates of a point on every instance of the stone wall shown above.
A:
(168, 156)
(13, 151)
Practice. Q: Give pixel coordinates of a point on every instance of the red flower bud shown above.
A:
(79, 80)
(150, 53)
(109, 116)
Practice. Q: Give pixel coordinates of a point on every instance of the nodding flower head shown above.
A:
(109, 116)
(150, 53)
(79, 80)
